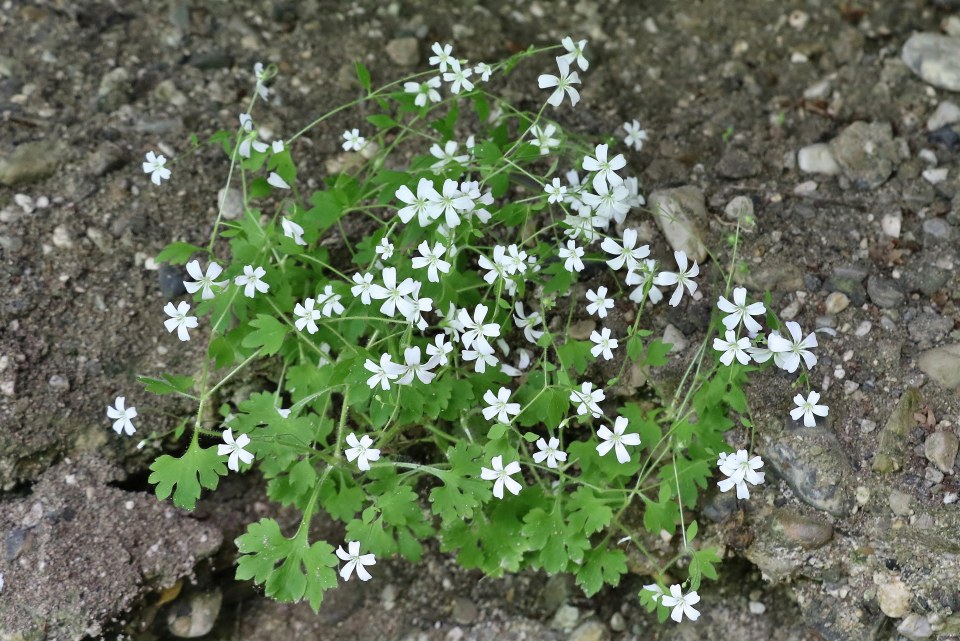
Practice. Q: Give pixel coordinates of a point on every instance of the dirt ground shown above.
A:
(729, 92)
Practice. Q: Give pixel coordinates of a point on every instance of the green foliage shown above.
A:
(184, 476)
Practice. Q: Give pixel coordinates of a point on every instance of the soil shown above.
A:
(729, 92)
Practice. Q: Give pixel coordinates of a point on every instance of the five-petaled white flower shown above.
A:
(439, 350)
(233, 449)
(391, 292)
(528, 323)
(363, 283)
(446, 155)
(431, 260)
(626, 253)
(740, 470)
(588, 399)
(609, 203)
(599, 303)
(204, 283)
(421, 205)
(606, 169)
(275, 180)
(330, 302)
(474, 329)
(732, 347)
(643, 277)
(307, 316)
(563, 83)
(635, 135)
(682, 277)
(549, 451)
(656, 590)
(575, 49)
(353, 141)
(543, 138)
(483, 70)
(122, 416)
(179, 320)
(572, 255)
(603, 344)
(424, 91)
(155, 166)
(383, 372)
(360, 451)
(556, 193)
(292, 230)
(355, 561)
(787, 353)
(458, 77)
(808, 409)
(499, 405)
(261, 75)
(681, 603)
(384, 249)
(442, 57)
(251, 281)
(500, 475)
(738, 311)
(414, 368)
(616, 440)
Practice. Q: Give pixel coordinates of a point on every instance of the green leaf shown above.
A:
(634, 347)
(576, 355)
(657, 353)
(167, 384)
(703, 564)
(599, 566)
(462, 490)
(497, 431)
(381, 121)
(589, 513)
(269, 334)
(363, 76)
(185, 476)
(178, 253)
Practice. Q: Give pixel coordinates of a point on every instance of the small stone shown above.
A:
(24, 202)
(818, 91)
(581, 330)
(404, 51)
(798, 19)
(780, 277)
(806, 188)
(817, 159)
(937, 228)
(756, 607)
(617, 622)
(590, 631)
(170, 279)
(915, 627)
(29, 162)
(935, 176)
(940, 448)
(900, 503)
(736, 164)
(889, 455)
(61, 237)
(935, 58)
(946, 113)
(884, 293)
(565, 617)
(894, 597)
(891, 224)
(866, 152)
(464, 611)
(194, 616)
(675, 337)
(217, 59)
(836, 302)
(740, 208)
(116, 90)
(849, 281)
(167, 91)
(678, 213)
(231, 199)
(928, 328)
(105, 159)
(809, 533)
(59, 383)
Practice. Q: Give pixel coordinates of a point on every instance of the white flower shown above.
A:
(355, 561)
(787, 353)
(424, 90)
(277, 146)
(549, 451)
(246, 122)
(446, 155)
(353, 141)
(644, 277)
(420, 205)
(330, 302)
(808, 408)
(412, 367)
(740, 470)
(383, 373)
(599, 303)
(474, 329)
(155, 166)
(307, 316)
(543, 138)
(635, 135)
(412, 307)
(617, 440)
(292, 230)
(364, 283)
(360, 451)
(458, 78)
(528, 323)
(262, 76)
(234, 450)
(439, 351)
(555, 191)
(603, 344)
(500, 266)
(572, 255)
(501, 476)
(682, 604)
(251, 281)
(179, 320)
(442, 57)
(384, 249)
(575, 50)
(391, 292)
(610, 201)
(483, 70)
(627, 253)
(682, 277)
(588, 399)
(431, 260)
(563, 84)
(205, 283)
(482, 356)
(634, 197)
(122, 417)
(606, 169)
(276, 181)
(732, 348)
(657, 591)
(739, 311)
(499, 405)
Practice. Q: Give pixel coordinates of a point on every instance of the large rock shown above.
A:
(29, 162)
(866, 152)
(889, 456)
(934, 58)
(942, 364)
(679, 213)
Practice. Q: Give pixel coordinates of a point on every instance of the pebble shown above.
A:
(818, 90)
(464, 611)
(900, 503)
(891, 224)
(817, 159)
(884, 292)
(565, 617)
(741, 208)
(677, 212)
(61, 237)
(809, 533)
(404, 51)
(915, 627)
(894, 597)
(105, 159)
(848, 280)
(116, 90)
(866, 152)
(675, 337)
(863, 328)
(756, 607)
(806, 188)
(232, 202)
(216, 59)
(935, 58)
(935, 176)
(937, 228)
(836, 302)
(25, 203)
(590, 631)
(29, 162)
(928, 327)
(194, 616)
(940, 448)
(170, 279)
(736, 164)
(945, 114)
(928, 156)
(617, 622)
(581, 330)
(798, 19)
(889, 453)
(59, 383)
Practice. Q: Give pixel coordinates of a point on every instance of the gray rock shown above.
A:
(945, 114)
(812, 462)
(937, 229)
(590, 631)
(889, 455)
(928, 328)
(678, 213)
(848, 280)
(170, 279)
(836, 302)
(231, 199)
(940, 448)
(810, 533)
(894, 597)
(565, 617)
(900, 503)
(915, 627)
(771, 276)
(404, 51)
(116, 90)
(923, 276)
(105, 159)
(29, 162)
(216, 59)
(867, 153)
(464, 611)
(675, 337)
(935, 58)
(818, 159)
(740, 208)
(617, 622)
(195, 615)
(736, 164)
(884, 292)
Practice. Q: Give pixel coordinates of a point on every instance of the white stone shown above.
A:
(817, 159)
(935, 176)
(946, 113)
(891, 223)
